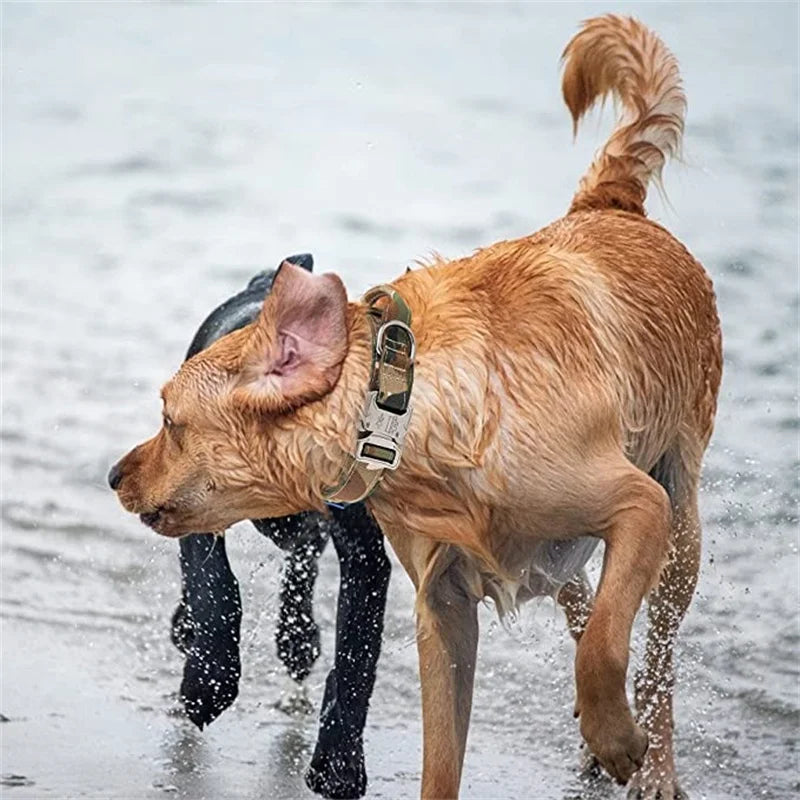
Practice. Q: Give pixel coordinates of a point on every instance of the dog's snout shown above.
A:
(151, 517)
(115, 476)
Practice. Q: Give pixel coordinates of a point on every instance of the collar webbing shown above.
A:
(387, 410)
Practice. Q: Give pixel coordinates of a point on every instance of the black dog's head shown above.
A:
(242, 308)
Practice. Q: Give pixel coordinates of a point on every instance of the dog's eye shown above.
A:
(167, 421)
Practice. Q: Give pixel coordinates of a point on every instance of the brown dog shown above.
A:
(565, 387)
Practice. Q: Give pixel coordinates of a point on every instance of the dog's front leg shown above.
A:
(337, 767)
(447, 641)
(297, 634)
(205, 627)
(636, 526)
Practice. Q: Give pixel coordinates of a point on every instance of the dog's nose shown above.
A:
(115, 476)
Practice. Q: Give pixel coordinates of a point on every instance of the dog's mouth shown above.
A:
(151, 518)
(160, 520)
(169, 521)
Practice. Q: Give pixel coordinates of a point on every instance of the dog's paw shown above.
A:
(654, 782)
(210, 683)
(589, 769)
(338, 774)
(294, 700)
(298, 643)
(617, 741)
(655, 790)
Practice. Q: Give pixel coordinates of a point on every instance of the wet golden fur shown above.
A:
(555, 373)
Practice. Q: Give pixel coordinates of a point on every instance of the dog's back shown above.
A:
(543, 357)
(602, 319)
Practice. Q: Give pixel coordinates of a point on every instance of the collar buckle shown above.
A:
(381, 336)
(381, 434)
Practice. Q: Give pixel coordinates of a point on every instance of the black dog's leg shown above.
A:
(337, 767)
(303, 538)
(297, 634)
(205, 626)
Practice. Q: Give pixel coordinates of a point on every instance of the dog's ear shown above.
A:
(298, 344)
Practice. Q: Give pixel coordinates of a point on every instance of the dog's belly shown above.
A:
(556, 561)
(548, 566)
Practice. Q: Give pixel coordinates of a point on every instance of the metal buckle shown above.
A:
(377, 452)
(381, 436)
(395, 323)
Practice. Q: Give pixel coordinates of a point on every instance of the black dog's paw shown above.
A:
(339, 774)
(182, 630)
(210, 683)
(298, 643)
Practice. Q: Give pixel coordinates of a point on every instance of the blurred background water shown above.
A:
(155, 156)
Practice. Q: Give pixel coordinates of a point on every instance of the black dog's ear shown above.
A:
(263, 281)
(304, 260)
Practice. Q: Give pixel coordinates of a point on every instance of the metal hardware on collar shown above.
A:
(381, 435)
(387, 410)
(395, 323)
(378, 452)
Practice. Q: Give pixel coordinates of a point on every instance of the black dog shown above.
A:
(205, 625)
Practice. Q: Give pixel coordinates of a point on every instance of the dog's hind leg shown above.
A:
(667, 606)
(576, 597)
(632, 514)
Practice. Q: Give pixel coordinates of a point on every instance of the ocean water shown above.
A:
(157, 155)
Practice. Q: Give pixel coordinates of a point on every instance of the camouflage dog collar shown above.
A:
(387, 410)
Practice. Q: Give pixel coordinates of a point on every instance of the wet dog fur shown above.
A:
(566, 385)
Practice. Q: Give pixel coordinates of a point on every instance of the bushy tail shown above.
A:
(619, 55)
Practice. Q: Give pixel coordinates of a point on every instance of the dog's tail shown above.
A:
(620, 56)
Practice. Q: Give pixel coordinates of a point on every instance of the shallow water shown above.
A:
(154, 157)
